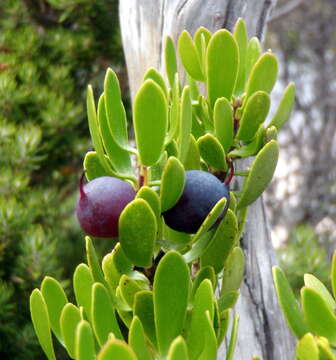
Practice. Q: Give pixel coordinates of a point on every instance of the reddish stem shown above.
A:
(231, 174)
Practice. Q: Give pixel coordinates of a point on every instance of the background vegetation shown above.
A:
(49, 51)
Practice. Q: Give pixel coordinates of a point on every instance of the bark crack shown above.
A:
(227, 12)
(263, 17)
(161, 51)
(180, 8)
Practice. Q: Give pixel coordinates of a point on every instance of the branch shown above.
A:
(285, 10)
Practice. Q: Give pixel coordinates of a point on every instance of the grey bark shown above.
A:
(144, 25)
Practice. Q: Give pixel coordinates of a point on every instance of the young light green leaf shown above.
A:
(155, 171)
(233, 338)
(137, 340)
(85, 346)
(210, 346)
(82, 283)
(252, 147)
(192, 161)
(288, 303)
(189, 56)
(55, 299)
(307, 349)
(255, 113)
(212, 151)
(221, 243)
(333, 274)
(144, 309)
(313, 283)
(176, 239)
(115, 110)
(233, 201)
(172, 183)
(222, 65)
(69, 321)
(93, 167)
(170, 290)
(170, 60)
(40, 318)
(178, 350)
(198, 249)
(174, 112)
(271, 134)
(240, 35)
(119, 157)
(233, 271)
(128, 289)
(206, 272)
(185, 125)
(263, 75)
(156, 77)
(223, 122)
(137, 232)
(150, 117)
(203, 301)
(223, 325)
(103, 316)
(201, 39)
(285, 107)
(253, 53)
(152, 198)
(260, 174)
(325, 350)
(93, 262)
(319, 318)
(116, 349)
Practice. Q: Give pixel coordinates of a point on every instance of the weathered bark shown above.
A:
(144, 25)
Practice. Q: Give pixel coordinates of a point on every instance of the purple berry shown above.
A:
(100, 204)
(201, 192)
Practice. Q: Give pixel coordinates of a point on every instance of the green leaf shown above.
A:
(285, 107)
(325, 351)
(271, 134)
(221, 243)
(155, 171)
(252, 147)
(116, 349)
(201, 39)
(307, 349)
(233, 338)
(260, 174)
(263, 75)
(203, 302)
(192, 161)
(152, 198)
(103, 316)
(228, 300)
(223, 325)
(55, 299)
(150, 117)
(313, 283)
(170, 291)
(288, 303)
(240, 35)
(137, 340)
(40, 318)
(178, 350)
(82, 283)
(206, 272)
(212, 151)
(185, 125)
(85, 346)
(210, 347)
(144, 309)
(115, 110)
(223, 122)
(189, 56)
(174, 112)
(93, 262)
(172, 183)
(252, 55)
(176, 239)
(233, 201)
(222, 65)
(170, 60)
(118, 156)
(94, 130)
(137, 232)
(93, 167)
(157, 78)
(255, 113)
(198, 249)
(69, 321)
(318, 316)
(333, 274)
(128, 289)
(233, 271)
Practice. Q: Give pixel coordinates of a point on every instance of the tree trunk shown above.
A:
(144, 25)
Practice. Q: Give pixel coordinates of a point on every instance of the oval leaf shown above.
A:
(69, 321)
(212, 151)
(170, 290)
(172, 183)
(178, 350)
(137, 232)
(157, 77)
(137, 340)
(152, 199)
(223, 122)
(222, 65)
(255, 112)
(260, 174)
(240, 35)
(192, 161)
(233, 271)
(307, 349)
(150, 122)
(170, 60)
(92, 166)
(253, 53)
(116, 349)
(185, 125)
(128, 289)
(85, 346)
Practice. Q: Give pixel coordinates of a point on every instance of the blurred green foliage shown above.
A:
(49, 51)
(303, 254)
